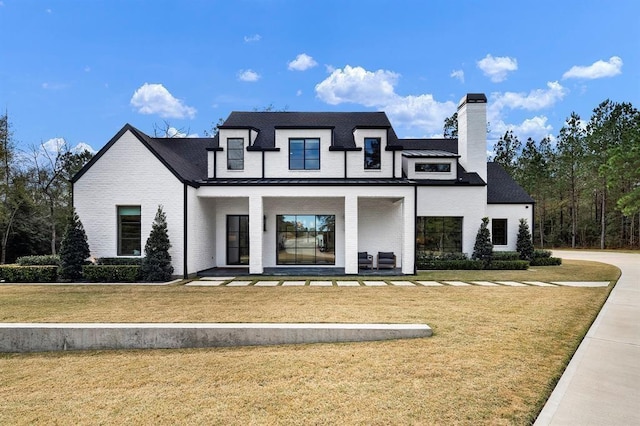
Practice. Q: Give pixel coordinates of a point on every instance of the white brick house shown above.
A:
(292, 189)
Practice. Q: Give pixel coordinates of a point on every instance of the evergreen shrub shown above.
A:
(512, 265)
(42, 260)
(119, 261)
(111, 273)
(74, 249)
(546, 261)
(524, 243)
(28, 274)
(156, 265)
(506, 255)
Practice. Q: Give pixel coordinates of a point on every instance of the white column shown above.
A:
(256, 228)
(351, 234)
(408, 234)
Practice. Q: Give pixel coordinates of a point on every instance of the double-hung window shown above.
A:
(235, 154)
(129, 230)
(372, 153)
(304, 154)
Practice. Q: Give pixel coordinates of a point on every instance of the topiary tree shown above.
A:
(483, 247)
(74, 249)
(524, 245)
(156, 265)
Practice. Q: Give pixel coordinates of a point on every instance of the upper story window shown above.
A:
(235, 154)
(372, 153)
(433, 167)
(304, 154)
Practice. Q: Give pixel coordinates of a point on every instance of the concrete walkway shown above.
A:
(601, 385)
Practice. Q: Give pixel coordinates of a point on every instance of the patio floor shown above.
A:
(298, 271)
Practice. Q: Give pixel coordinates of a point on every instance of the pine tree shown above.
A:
(524, 245)
(483, 248)
(156, 265)
(74, 249)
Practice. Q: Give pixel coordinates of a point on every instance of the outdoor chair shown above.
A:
(386, 259)
(365, 260)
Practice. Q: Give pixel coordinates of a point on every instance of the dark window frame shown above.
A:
(442, 234)
(235, 150)
(499, 232)
(242, 239)
(436, 167)
(293, 230)
(370, 154)
(307, 158)
(133, 229)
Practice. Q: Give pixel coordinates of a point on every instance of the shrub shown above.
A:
(111, 273)
(506, 255)
(119, 261)
(541, 254)
(517, 265)
(28, 274)
(546, 261)
(156, 265)
(43, 260)
(457, 264)
(524, 244)
(74, 249)
(483, 248)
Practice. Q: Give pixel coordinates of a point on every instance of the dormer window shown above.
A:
(304, 154)
(433, 167)
(372, 153)
(235, 154)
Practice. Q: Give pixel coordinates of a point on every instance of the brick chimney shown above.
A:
(472, 133)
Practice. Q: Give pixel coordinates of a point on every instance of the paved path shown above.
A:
(231, 282)
(601, 385)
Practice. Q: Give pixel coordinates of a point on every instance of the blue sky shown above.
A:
(80, 70)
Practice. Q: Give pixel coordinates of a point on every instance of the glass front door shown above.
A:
(237, 240)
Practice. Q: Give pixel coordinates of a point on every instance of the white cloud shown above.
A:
(598, 69)
(459, 74)
(497, 68)
(80, 147)
(536, 128)
(155, 99)
(248, 76)
(302, 62)
(172, 132)
(329, 68)
(252, 39)
(535, 100)
(357, 85)
(420, 113)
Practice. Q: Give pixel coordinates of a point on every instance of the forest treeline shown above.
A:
(586, 182)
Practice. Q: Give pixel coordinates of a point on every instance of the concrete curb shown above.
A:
(43, 337)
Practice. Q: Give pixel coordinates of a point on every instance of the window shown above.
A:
(237, 240)
(304, 154)
(439, 233)
(306, 240)
(235, 154)
(371, 153)
(129, 231)
(433, 167)
(499, 232)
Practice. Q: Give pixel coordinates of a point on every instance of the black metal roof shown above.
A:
(447, 145)
(341, 123)
(502, 188)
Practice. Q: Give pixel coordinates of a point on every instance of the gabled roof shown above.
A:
(342, 123)
(184, 157)
(502, 188)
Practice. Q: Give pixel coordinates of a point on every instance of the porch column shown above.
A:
(256, 217)
(408, 234)
(351, 234)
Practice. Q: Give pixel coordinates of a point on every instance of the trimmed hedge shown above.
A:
(517, 265)
(506, 255)
(546, 261)
(541, 254)
(119, 261)
(452, 264)
(28, 274)
(43, 260)
(111, 273)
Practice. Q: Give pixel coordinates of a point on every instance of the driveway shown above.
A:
(601, 385)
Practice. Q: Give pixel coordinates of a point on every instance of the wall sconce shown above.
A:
(264, 223)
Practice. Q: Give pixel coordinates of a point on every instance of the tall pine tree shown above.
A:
(156, 265)
(74, 249)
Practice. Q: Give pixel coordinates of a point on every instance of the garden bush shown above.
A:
(546, 261)
(518, 265)
(111, 273)
(28, 274)
(541, 254)
(42, 260)
(119, 261)
(506, 255)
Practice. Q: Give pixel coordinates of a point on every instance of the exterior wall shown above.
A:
(129, 174)
(513, 213)
(277, 163)
(355, 159)
(470, 203)
(201, 232)
(380, 226)
(252, 159)
(409, 167)
(472, 137)
(225, 206)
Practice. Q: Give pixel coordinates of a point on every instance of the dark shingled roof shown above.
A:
(342, 123)
(447, 145)
(502, 188)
